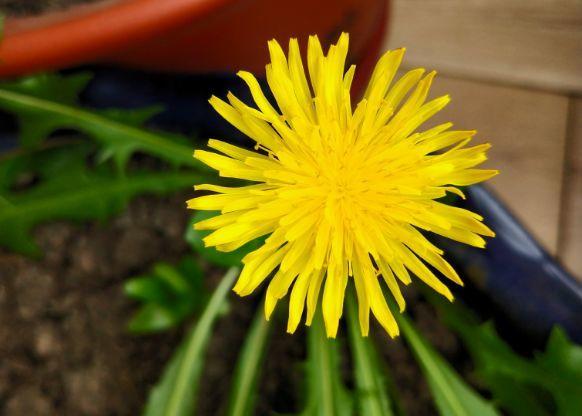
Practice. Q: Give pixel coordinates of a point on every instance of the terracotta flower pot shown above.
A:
(183, 35)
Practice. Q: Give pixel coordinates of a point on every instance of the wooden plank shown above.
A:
(571, 224)
(527, 129)
(536, 43)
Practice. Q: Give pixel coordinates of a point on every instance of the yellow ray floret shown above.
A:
(341, 192)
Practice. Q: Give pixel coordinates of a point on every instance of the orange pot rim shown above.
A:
(51, 41)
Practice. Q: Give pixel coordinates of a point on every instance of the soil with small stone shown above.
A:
(66, 351)
(35, 7)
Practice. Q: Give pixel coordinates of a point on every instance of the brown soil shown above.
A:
(64, 345)
(34, 7)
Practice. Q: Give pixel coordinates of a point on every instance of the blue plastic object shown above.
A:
(184, 99)
(517, 274)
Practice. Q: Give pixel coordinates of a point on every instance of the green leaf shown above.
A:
(175, 393)
(181, 284)
(453, 397)
(134, 117)
(516, 398)
(36, 125)
(152, 317)
(371, 396)
(170, 295)
(563, 361)
(9, 170)
(52, 86)
(44, 103)
(243, 392)
(67, 190)
(56, 159)
(557, 371)
(148, 288)
(326, 393)
(195, 239)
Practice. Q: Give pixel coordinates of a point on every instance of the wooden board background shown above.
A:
(514, 71)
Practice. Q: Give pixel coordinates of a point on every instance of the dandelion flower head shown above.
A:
(340, 192)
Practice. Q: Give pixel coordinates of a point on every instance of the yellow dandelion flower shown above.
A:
(340, 193)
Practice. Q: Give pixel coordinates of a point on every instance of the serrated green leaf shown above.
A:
(170, 294)
(225, 259)
(36, 125)
(78, 194)
(9, 170)
(326, 393)
(34, 128)
(515, 398)
(54, 160)
(452, 395)
(560, 350)
(121, 150)
(175, 393)
(557, 371)
(243, 391)
(63, 89)
(44, 103)
(371, 395)
(563, 359)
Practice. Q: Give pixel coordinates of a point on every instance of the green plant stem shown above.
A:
(175, 394)
(423, 353)
(452, 395)
(372, 397)
(320, 348)
(326, 392)
(197, 342)
(244, 385)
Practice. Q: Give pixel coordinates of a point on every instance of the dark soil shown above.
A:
(34, 7)
(65, 350)
(63, 340)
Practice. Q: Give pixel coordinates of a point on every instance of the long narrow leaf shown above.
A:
(326, 394)
(453, 397)
(93, 196)
(371, 396)
(245, 381)
(39, 114)
(175, 394)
